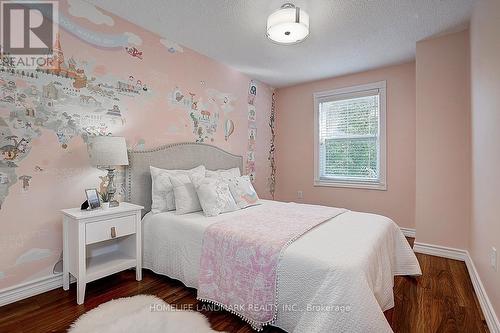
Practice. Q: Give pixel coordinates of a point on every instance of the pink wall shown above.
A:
(55, 157)
(295, 136)
(443, 141)
(485, 81)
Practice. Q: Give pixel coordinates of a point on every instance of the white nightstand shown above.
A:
(99, 243)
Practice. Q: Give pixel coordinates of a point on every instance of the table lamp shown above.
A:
(106, 152)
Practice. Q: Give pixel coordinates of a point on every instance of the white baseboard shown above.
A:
(484, 301)
(408, 232)
(440, 251)
(463, 255)
(32, 288)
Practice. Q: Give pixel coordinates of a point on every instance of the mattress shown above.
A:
(338, 277)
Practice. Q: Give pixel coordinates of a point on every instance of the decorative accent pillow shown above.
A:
(186, 199)
(223, 173)
(162, 192)
(214, 195)
(243, 192)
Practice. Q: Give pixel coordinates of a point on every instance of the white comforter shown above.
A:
(336, 278)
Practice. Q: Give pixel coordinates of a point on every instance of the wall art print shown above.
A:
(252, 130)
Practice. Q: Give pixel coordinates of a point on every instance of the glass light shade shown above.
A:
(283, 28)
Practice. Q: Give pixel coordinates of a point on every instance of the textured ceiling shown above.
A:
(346, 36)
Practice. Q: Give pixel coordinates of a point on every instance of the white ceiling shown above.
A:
(346, 36)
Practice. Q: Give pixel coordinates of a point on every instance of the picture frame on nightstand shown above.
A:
(93, 198)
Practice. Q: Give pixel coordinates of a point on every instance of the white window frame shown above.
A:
(331, 95)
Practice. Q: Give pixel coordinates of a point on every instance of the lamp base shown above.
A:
(112, 188)
(114, 203)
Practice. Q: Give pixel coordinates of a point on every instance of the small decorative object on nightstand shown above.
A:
(107, 152)
(93, 201)
(99, 243)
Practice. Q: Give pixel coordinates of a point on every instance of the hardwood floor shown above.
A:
(441, 300)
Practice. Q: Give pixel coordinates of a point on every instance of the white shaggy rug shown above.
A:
(141, 314)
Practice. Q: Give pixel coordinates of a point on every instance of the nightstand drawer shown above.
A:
(109, 229)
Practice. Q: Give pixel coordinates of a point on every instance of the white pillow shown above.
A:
(186, 199)
(214, 195)
(162, 192)
(223, 173)
(243, 192)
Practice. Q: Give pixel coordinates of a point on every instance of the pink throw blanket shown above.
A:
(240, 257)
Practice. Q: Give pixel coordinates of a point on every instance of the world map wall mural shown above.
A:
(109, 77)
(63, 98)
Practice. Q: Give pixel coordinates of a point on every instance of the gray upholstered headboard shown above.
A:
(172, 156)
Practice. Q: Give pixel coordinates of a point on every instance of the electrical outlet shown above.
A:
(493, 259)
(300, 195)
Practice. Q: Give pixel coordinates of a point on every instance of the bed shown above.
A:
(338, 277)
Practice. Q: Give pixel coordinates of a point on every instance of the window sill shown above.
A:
(360, 185)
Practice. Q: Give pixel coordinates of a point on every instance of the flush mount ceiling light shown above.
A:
(288, 25)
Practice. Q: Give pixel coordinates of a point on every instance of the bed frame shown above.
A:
(177, 156)
(172, 156)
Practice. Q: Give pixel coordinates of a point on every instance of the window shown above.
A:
(349, 137)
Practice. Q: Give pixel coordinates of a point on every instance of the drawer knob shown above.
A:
(113, 232)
